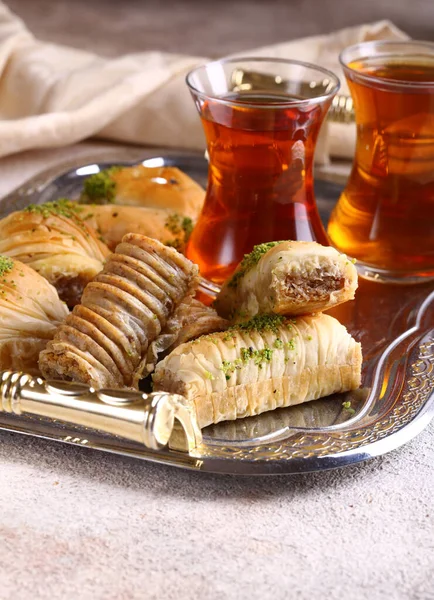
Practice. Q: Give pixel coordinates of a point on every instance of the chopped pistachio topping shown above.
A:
(61, 207)
(100, 187)
(173, 223)
(179, 226)
(187, 227)
(229, 367)
(209, 375)
(247, 354)
(347, 406)
(250, 260)
(278, 344)
(261, 323)
(290, 345)
(6, 265)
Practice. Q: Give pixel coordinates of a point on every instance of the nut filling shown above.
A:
(318, 286)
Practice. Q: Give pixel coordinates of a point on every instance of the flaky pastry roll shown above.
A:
(53, 239)
(289, 278)
(266, 363)
(189, 321)
(30, 312)
(165, 188)
(105, 340)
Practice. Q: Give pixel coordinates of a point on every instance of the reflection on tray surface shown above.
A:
(325, 412)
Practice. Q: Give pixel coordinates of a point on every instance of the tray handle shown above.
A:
(150, 419)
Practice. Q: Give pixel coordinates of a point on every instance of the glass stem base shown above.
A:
(389, 276)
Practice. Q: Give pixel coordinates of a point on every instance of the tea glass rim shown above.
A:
(263, 59)
(399, 45)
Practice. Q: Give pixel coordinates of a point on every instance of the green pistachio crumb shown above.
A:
(209, 375)
(250, 260)
(173, 224)
(347, 406)
(6, 265)
(247, 354)
(61, 207)
(100, 188)
(179, 226)
(261, 323)
(290, 345)
(227, 368)
(278, 343)
(187, 227)
(258, 356)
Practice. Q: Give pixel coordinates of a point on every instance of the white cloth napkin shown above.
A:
(52, 95)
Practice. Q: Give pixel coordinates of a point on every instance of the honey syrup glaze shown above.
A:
(260, 184)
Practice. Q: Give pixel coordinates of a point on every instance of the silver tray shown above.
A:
(395, 325)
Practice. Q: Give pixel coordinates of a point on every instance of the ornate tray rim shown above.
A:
(301, 451)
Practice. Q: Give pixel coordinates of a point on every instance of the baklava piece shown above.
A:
(105, 340)
(288, 278)
(53, 239)
(266, 363)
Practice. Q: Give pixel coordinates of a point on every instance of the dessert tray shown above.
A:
(395, 325)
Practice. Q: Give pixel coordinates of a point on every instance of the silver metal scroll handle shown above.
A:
(149, 419)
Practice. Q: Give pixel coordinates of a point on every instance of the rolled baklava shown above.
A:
(266, 363)
(289, 278)
(190, 320)
(53, 239)
(105, 340)
(30, 312)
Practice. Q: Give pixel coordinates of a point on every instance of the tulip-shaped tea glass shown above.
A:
(385, 216)
(261, 119)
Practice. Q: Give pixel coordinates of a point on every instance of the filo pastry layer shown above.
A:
(30, 312)
(189, 321)
(289, 278)
(113, 222)
(105, 340)
(53, 239)
(267, 363)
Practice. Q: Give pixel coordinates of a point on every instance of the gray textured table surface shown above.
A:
(82, 524)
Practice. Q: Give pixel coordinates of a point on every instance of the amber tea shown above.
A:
(385, 216)
(261, 119)
(260, 185)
